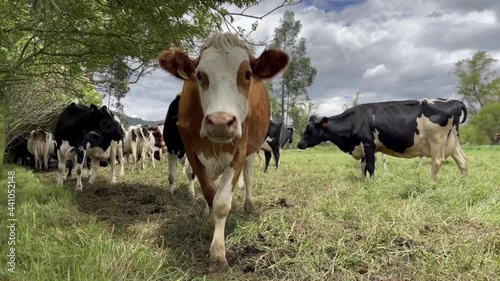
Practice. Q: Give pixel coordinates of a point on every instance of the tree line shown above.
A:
(55, 52)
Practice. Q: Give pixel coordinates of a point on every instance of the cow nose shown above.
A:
(162, 144)
(221, 124)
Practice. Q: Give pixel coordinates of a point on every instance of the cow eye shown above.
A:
(198, 76)
(248, 75)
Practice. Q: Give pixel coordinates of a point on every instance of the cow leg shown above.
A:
(248, 176)
(421, 161)
(437, 154)
(241, 182)
(188, 171)
(267, 155)
(62, 167)
(68, 167)
(46, 161)
(276, 154)
(369, 151)
(119, 152)
(362, 164)
(79, 167)
(112, 156)
(143, 155)
(152, 159)
(134, 154)
(384, 161)
(220, 209)
(458, 156)
(260, 157)
(172, 171)
(95, 165)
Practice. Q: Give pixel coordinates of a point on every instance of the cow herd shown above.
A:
(221, 120)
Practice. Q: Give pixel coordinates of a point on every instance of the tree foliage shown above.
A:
(69, 49)
(290, 89)
(355, 102)
(479, 87)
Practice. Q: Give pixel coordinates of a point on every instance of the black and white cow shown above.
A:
(404, 129)
(277, 137)
(83, 131)
(139, 143)
(175, 148)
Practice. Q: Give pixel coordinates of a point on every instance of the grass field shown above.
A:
(314, 221)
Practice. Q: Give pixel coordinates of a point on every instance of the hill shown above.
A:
(131, 121)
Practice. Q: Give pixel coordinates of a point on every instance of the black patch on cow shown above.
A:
(397, 125)
(279, 135)
(171, 134)
(134, 136)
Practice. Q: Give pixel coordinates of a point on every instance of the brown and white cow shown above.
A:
(159, 146)
(224, 114)
(40, 145)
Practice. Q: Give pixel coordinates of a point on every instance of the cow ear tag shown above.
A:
(182, 74)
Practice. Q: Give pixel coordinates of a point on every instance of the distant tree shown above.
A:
(479, 85)
(355, 102)
(488, 120)
(291, 88)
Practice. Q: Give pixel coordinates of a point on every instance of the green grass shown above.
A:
(314, 221)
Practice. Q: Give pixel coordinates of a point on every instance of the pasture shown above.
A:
(314, 220)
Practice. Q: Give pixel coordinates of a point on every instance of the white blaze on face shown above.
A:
(222, 94)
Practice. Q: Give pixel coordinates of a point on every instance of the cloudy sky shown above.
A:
(385, 49)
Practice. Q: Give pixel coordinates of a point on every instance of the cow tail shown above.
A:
(464, 109)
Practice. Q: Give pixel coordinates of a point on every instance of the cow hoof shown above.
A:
(218, 265)
(171, 189)
(249, 207)
(79, 187)
(113, 181)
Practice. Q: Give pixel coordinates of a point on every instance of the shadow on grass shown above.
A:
(148, 212)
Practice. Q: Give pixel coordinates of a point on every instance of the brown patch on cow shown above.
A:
(244, 77)
(269, 64)
(176, 62)
(40, 135)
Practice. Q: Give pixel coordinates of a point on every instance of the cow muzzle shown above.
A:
(301, 145)
(220, 127)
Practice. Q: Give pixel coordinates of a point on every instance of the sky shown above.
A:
(384, 49)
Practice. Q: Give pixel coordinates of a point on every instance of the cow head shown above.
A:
(105, 122)
(158, 135)
(314, 132)
(223, 74)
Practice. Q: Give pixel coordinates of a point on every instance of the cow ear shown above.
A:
(177, 63)
(269, 64)
(93, 108)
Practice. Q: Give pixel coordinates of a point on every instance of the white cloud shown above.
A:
(385, 49)
(376, 71)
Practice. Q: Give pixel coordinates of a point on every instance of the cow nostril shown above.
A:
(209, 121)
(231, 122)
